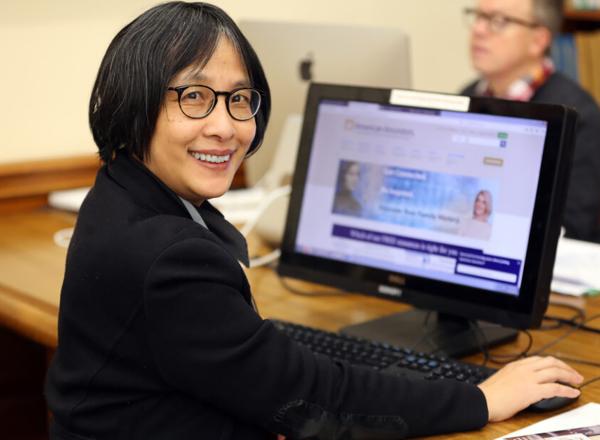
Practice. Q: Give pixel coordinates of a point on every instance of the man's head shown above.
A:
(508, 37)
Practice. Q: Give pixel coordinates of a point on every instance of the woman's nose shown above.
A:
(219, 122)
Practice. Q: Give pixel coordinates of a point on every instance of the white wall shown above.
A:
(50, 51)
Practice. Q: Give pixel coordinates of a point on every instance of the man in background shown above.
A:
(510, 45)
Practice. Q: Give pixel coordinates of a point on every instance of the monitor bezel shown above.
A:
(522, 311)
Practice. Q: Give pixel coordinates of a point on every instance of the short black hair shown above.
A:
(141, 61)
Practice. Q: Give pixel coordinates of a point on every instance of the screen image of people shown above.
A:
(415, 198)
(345, 201)
(479, 224)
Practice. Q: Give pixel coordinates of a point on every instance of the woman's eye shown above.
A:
(194, 96)
(240, 99)
(191, 96)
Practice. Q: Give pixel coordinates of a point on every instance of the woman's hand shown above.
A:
(521, 383)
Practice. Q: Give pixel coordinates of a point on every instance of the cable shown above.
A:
(565, 335)
(573, 323)
(502, 359)
(265, 260)
(576, 360)
(587, 382)
(579, 314)
(482, 342)
(251, 223)
(331, 292)
(262, 207)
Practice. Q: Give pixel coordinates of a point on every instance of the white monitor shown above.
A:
(295, 54)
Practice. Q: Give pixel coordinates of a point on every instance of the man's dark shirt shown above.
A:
(582, 210)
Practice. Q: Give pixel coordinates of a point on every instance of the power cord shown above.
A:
(569, 332)
(559, 321)
(265, 260)
(251, 223)
(502, 359)
(315, 293)
(571, 322)
(592, 380)
(273, 195)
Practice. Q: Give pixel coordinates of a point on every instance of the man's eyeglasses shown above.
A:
(196, 101)
(495, 21)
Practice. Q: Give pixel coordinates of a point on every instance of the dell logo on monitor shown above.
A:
(389, 290)
(397, 279)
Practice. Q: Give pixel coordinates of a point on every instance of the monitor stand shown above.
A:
(433, 332)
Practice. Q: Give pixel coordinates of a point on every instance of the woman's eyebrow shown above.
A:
(199, 80)
(195, 76)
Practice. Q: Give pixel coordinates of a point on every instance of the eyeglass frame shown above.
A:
(504, 20)
(216, 93)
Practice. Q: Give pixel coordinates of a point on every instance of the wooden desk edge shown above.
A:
(33, 319)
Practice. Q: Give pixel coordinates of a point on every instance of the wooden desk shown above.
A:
(31, 270)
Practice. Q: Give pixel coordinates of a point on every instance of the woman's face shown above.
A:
(351, 177)
(198, 158)
(481, 207)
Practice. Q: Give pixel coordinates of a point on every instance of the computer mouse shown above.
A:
(551, 404)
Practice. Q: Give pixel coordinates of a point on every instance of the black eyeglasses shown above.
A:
(495, 21)
(196, 101)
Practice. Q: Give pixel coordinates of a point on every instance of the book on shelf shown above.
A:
(577, 55)
(584, 5)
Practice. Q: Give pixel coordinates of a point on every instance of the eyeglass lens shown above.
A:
(199, 101)
(495, 22)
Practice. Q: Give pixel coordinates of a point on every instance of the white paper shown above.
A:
(576, 267)
(587, 415)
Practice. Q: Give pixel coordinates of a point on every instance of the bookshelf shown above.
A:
(582, 15)
(581, 19)
(576, 51)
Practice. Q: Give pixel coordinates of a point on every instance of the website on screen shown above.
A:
(438, 194)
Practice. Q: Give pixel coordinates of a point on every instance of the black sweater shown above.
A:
(158, 339)
(582, 210)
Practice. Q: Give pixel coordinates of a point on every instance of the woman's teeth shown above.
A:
(212, 158)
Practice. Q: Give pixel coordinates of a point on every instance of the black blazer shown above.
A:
(158, 339)
(581, 217)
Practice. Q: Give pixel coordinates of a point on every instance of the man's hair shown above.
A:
(145, 56)
(549, 13)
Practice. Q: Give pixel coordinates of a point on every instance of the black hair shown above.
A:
(141, 61)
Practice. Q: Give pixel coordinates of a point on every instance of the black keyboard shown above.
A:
(382, 356)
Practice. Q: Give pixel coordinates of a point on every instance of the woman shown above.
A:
(348, 178)
(478, 225)
(158, 336)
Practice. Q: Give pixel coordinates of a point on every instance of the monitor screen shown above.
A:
(436, 200)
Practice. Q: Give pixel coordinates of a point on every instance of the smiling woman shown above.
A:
(196, 154)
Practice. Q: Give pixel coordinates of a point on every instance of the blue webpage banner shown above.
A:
(469, 261)
(415, 198)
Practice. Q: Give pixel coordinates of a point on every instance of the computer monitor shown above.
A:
(449, 203)
(294, 54)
